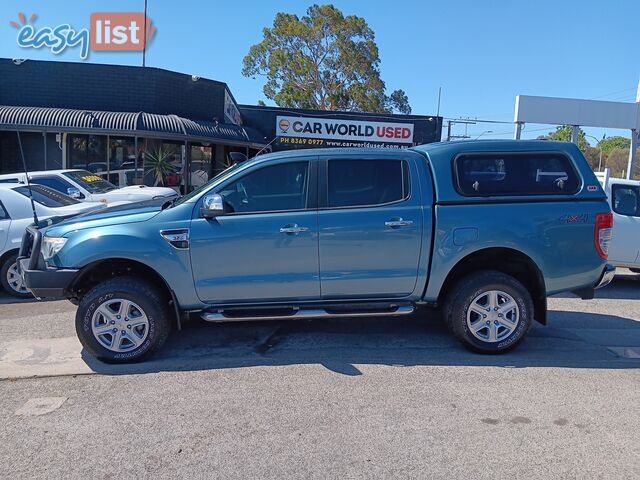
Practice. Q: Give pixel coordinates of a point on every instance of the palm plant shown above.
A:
(158, 163)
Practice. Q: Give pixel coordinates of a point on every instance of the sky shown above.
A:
(482, 53)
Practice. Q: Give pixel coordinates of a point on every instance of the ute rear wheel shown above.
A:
(123, 320)
(11, 279)
(489, 311)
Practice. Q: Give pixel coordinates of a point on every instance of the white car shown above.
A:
(624, 198)
(16, 215)
(90, 187)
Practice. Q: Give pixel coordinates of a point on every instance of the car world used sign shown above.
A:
(343, 131)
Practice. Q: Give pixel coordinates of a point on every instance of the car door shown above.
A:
(5, 224)
(265, 247)
(370, 227)
(625, 203)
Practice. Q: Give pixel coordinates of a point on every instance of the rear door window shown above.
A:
(625, 199)
(503, 174)
(360, 183)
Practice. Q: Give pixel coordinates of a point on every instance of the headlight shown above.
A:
(51, 246)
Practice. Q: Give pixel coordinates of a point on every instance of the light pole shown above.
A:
(599, 148)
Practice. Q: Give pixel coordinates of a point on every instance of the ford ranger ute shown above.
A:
(485, 229)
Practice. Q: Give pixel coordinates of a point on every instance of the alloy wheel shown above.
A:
(120, 325)
(492, 316)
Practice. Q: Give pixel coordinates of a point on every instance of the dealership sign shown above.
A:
(338, 129)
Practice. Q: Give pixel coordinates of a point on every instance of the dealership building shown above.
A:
(120, 121)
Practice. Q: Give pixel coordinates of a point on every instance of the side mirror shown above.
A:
(212, 206)
(74, 192)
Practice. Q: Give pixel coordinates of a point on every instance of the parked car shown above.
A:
(338, 233)
(16, 214)
(89, 187)
(624, 198)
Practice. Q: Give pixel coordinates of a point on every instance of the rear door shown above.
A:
(370, 227)
(625, 203)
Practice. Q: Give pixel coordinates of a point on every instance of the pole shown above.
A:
(26, 175)
(632, 154)
(44, 136)
(518, 132)
(449, 122)
(439, 96)
(575, 134)
(144, 45)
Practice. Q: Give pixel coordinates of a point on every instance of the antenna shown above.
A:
(26, 174)
(266, 146)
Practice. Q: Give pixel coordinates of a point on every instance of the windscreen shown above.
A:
(90, 181)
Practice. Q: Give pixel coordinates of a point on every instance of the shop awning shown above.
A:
(140, 124)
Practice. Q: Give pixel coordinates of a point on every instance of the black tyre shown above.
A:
(11, 280)
(489, 311)
(123, 320)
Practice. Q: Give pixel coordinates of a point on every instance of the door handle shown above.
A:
(293, 229)
(398, 222)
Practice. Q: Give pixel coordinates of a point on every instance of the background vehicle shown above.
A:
(16, 214)
(90, 187)
(624, 198)
(472, 226)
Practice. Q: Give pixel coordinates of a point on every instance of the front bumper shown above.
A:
(46, 283)
(42, 281)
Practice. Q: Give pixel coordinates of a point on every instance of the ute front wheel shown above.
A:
(122, 320)
(489, 312)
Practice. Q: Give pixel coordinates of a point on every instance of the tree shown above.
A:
(563, 133)
(617, 161)
(592, 155)
(324, 60)
(611, 143)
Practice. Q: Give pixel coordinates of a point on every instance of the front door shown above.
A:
(265, 248)
(370, 225)
(625, 203)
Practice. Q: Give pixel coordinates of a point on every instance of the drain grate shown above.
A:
(625, 352)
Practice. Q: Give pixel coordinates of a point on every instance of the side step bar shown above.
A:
(298, 314)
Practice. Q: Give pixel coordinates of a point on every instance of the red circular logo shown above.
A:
(284, 125)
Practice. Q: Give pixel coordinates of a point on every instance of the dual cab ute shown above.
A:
(487, 229)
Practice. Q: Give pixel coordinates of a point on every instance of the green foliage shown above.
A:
(611, 143)
(324, 61)
(158, 163)
(563, 134)
(399, 102)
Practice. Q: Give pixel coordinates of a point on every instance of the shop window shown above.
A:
(88, 152)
